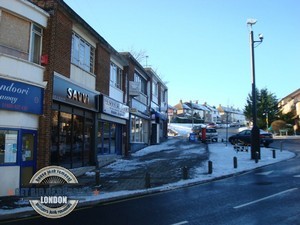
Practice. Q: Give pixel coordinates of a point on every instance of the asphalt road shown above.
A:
(269, 195)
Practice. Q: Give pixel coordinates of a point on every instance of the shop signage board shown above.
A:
(70, 93)
(22, 97)
(115, 108)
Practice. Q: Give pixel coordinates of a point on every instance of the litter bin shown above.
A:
(192, 137)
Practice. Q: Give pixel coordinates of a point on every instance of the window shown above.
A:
(36, 44)
(82, 54)
(140, 79)
(8, 146)
(139, 130)
(115, 76)
(72, 138)
(163, 95)
(155, 88)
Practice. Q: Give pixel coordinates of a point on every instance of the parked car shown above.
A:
(212, 125)
(244, 137)
(211, 134)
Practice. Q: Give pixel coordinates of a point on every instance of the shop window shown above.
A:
(71, 139)
(139, 130)
(8, 146)
(65, 139)
(108, 138)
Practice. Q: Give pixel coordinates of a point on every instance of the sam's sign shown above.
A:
(18, 96)
(67, 92)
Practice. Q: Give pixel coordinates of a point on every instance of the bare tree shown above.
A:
(140, 55)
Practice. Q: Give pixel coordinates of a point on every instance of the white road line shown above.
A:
(180, 223)
(265, 198)
(265, 173)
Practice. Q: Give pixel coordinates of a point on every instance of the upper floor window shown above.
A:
(140, 79)
(163, 95)
(82, 53)
(115, 76)
(36, 44)
(155, 88)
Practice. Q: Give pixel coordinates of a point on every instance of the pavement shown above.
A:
(155, 168)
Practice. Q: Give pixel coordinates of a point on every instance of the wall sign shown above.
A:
(139, 107)
(112, 107)
(18, 96)
(67, 92)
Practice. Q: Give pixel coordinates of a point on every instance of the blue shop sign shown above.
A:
(17, 96)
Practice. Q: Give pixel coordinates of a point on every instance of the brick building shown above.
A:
(74, 106)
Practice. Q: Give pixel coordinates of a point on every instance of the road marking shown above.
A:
(265, 198)
(180, 223)
(297, 176)
(265, 173)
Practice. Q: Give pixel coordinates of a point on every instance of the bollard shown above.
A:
(210, 167)
(274, 153)
(235, 162)
(281, 143)
(97, 174)
(256, 157)
(147, 180)
(185, 173)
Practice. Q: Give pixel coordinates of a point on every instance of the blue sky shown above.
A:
(200, 48)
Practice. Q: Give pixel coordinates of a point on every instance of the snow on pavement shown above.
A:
(220, 154)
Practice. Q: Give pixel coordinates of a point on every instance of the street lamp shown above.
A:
(255, 142)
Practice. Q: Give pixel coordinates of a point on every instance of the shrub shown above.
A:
(278, 125)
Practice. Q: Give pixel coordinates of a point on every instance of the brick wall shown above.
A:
(57, 41)
(102, 69)
(63, 44)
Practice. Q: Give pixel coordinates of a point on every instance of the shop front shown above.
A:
(112, 127)
(73, 119)
(139, 125)
(20, 107)
(158, 124)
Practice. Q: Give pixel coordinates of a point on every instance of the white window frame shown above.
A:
(82, 53)
(115, 76)
(155, 88)
(140, 79)
(35, 51)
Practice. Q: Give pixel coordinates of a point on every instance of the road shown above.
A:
(268, 195)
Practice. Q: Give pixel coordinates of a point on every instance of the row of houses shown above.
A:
(67, 97)
(204, 113)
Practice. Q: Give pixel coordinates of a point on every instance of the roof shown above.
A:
(292, 95)
(182, 106)
(197, 106)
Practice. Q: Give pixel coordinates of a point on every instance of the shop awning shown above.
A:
(161, 115)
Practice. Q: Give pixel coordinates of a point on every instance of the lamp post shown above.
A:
(255, 142)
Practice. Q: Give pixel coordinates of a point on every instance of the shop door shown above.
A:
(28, 158)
